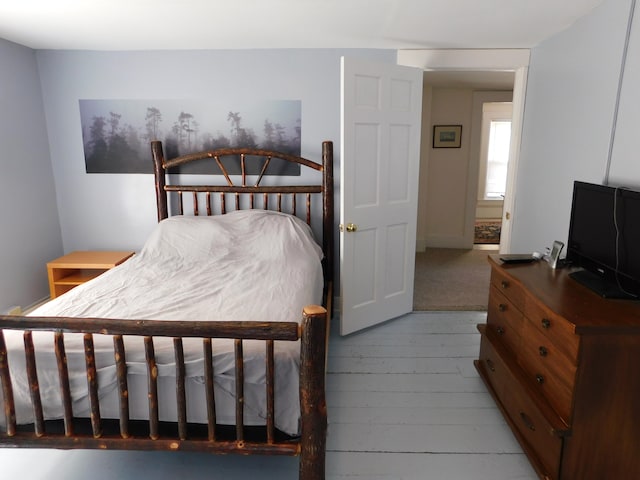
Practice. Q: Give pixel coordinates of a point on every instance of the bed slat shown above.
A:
(196, 208)
(92, 383)
(243, 168)
(7, 390)
(123, 387)
(208, 378)
(270, 383)
(239, 390)
(208, 204)
(63, 375)
(223, 203)
(181, 396)
(152, 378)
(34, 386)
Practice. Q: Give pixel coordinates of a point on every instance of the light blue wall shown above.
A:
(118, 211)
(569, 113)
(30, 231)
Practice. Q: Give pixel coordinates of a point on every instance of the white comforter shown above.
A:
(245, 265)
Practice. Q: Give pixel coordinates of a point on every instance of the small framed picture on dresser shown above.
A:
(554, 256)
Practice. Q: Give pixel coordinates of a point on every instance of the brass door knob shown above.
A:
(351, 227)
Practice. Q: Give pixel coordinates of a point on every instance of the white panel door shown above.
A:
(381, 113)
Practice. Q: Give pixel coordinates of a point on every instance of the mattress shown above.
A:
(245, 265)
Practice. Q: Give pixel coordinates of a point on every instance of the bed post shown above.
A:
(160, 179)
(327, 227)
(313, 407)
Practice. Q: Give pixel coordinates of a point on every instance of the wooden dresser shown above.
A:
(563, 365)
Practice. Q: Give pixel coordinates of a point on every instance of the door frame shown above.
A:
(514, 60)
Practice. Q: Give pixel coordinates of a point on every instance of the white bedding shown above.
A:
(245, 265)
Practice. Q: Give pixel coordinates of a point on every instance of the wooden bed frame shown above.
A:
(125, 434)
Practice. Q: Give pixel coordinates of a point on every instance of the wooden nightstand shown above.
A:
(77, 268)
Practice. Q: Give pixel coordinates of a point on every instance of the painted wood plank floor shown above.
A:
(405, 403)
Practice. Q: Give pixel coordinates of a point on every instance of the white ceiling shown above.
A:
(248, 24)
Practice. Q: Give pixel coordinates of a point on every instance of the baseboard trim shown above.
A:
(448, 242)
(30, 308)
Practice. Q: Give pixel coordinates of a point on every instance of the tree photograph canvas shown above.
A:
(116, 134)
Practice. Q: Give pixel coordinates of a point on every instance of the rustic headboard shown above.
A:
(219, 199)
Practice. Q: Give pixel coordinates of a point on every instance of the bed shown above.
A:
(212, 338)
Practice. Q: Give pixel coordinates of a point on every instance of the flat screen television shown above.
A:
(604, 239)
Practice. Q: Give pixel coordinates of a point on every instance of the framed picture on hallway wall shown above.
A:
(447, 136)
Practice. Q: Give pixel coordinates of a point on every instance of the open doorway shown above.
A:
(450, 177)
(493, 62)
(452, 272)
(465, 64)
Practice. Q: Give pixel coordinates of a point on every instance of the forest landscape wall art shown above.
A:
(116, 134)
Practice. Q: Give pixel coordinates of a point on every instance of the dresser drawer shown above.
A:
(540, 435)
(541, 441)
(548, 368)
(508, 287)
(496, 373)
(504, 319)
(558, 330)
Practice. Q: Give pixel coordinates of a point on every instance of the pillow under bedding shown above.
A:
(189, 237)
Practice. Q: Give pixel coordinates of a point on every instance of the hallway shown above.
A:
(452, 279)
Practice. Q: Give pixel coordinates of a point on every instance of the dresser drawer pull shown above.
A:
(527, 421)
(543, 351)
(539, 379)
(491, 365)
(546, 323)
(500, 330)
(502, 307)
(504, 284)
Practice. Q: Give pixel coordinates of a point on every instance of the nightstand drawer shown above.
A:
(504, 319)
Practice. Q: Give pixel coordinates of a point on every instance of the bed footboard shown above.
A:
(124, 433)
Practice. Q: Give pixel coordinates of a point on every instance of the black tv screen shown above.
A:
(604, 239)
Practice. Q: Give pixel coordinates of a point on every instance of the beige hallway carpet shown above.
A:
(452, 279)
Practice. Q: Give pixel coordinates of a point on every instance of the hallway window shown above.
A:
(496, 139)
